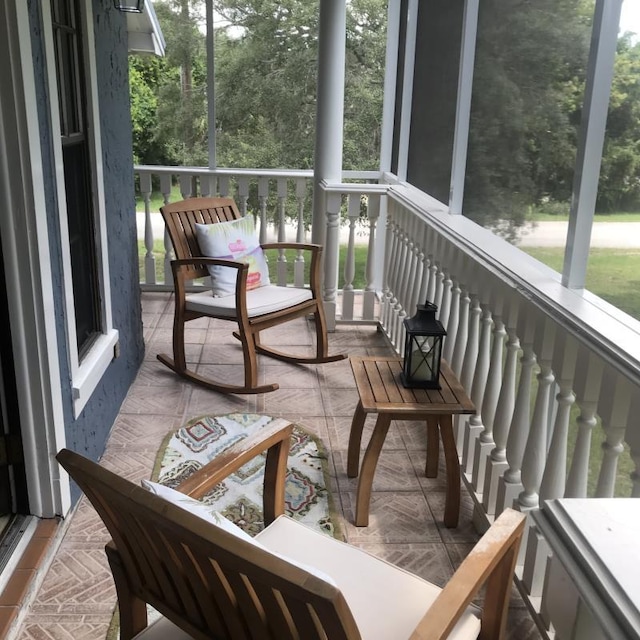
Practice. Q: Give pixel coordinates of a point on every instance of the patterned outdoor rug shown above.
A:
(239, 497)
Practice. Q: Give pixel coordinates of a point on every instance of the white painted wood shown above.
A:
(25, 247)
(589, 368)
(348, 296)
(613, 409)
(555, 473)
(595, 107)
(149, 257)
(298, 267)
(369, 297)
(535, 453)
(510, 484)
(333, 201)
(281, 227)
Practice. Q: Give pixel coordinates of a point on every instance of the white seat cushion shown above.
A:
(259, 301)
(162, 629)
(386, 602)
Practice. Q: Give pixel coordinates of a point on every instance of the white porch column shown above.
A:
(330, 107)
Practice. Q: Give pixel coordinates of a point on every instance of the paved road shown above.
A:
(621, 235)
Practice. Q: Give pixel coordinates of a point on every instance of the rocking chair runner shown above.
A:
(287, 583)
(252, 310)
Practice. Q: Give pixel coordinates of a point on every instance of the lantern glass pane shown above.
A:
(423, 358)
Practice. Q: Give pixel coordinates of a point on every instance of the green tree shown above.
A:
(528, 88)
(619, 188)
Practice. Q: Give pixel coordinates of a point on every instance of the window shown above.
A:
(77, 171)
(78, 160)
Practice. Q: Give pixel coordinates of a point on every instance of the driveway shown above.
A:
(621, 235)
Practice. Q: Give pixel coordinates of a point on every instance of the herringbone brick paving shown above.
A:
(77, 597)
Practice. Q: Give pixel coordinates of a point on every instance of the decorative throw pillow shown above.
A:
(197, 508)
(210, 515)
(233, 240)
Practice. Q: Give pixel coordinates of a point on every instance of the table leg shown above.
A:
(368, 469)
(355, 437)
(452, 503)
(433, 447)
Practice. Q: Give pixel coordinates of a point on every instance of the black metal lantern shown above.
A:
(130, 6)
(423, 349)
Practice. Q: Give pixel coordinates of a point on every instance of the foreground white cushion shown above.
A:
(259, 301)
(386, 602)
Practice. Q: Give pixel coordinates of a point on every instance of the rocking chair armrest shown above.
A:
(275, 440)
(302, 246)
(492, 562)
(202, 260)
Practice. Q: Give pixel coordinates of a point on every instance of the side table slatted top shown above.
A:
(381, 391)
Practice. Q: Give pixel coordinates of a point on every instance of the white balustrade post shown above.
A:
(468, 381)
(510, 484)
(223, 186)
(333, 201)
(400, 311)
(208, 185)
(497, 462)
(298, 267)
(387, 292)
(369, 296)
(535, 453)
(553, 479)
(613, 409)
(165, 189)
(282, 230)
(348, 294)
(149, 257)
(481, 423)
(263, 195)
(186, 185)
(243, 194)
(633, 440)
(555, 472)
(589, 369)
(462, 330)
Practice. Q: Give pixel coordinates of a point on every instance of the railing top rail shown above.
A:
(257, 173)
(597, 324)
(364, 189)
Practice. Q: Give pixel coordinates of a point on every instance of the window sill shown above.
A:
(93, 367)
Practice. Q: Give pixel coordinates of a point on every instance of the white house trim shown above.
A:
(85, 374)
(25, 244)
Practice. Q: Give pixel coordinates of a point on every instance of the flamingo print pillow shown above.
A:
(233, 240)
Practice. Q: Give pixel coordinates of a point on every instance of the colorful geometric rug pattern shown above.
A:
(239, 497)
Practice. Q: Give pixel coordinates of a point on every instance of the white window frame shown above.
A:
(25, 239)
(86, 373)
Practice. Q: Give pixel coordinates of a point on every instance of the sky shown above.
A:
(630, 17)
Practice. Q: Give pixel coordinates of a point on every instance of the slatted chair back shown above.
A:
(208, 582)
(181, 218)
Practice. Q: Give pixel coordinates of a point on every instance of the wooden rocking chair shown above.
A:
(289, 582)
(252, 310)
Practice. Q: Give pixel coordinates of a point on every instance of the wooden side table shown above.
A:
(381, 391)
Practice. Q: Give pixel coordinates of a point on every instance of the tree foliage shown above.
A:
(529, 84)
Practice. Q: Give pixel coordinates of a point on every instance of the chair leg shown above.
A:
(322, 345)
(179, 365)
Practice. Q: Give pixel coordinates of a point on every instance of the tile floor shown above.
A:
(77, 597)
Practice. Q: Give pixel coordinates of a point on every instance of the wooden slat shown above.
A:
(381, 390)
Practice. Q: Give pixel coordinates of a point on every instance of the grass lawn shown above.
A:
(612, 274)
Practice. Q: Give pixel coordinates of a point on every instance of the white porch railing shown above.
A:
(271, 192)
(542, 363)
(547, 367)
